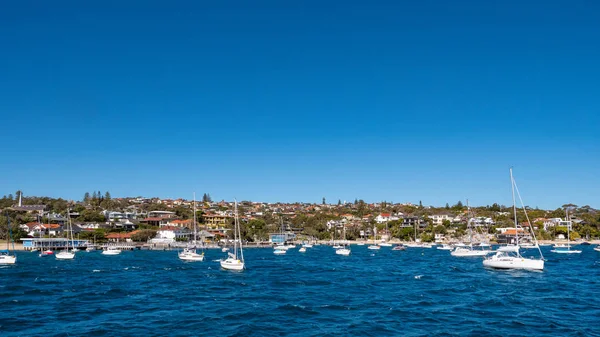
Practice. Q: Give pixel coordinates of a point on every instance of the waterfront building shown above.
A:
(51, 243)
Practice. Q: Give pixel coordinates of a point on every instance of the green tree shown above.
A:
(107, 195)
(143, 235)
(86, 198)
(88, 215)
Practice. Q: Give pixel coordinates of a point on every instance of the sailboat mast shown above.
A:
(8, 227)
(469, 224)
(512, 185)
(195, 231)
(240, 237)
(568, 229)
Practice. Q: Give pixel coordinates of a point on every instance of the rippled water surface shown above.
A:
(417, 292)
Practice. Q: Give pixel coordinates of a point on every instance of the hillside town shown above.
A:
(99, 218)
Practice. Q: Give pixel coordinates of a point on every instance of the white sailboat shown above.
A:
(190, 253)
(5, 255)
(235, 260)
(66, 254)
(468, 251)
(444, 246)
(417, 244)
(92, 247)
(566, 249)
(374, 246)
(47, 252)
(509, 257)
(281, 248)
(345, 250)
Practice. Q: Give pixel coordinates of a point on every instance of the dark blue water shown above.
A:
(417, 292)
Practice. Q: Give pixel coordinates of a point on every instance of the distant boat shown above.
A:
(282, 248)
(235, 260)
(399, 247)
(597, 248)
(190, 253)
(6, 257)
(374, 246)
(566, 249)
(66, 254)
(509, 257)
(111, 251)
(444, 247)
(345, 250)
(385, 244)
(46, 252)
(468, 251)
(302, 250)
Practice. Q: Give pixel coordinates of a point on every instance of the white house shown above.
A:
(552, 222)
(170, 234)
(438, 219)
(482, 221)
(385, 217)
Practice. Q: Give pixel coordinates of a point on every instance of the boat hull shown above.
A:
(461, 252)
(566, 251)
(191, 257)
(65, 256)
(343, 251)
(111, 252)
(8, 259)
(279, 251)
(514, 263)
(374, 247)
(231, 264)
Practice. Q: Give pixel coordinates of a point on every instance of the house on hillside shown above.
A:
(438, 219)
(171, 234)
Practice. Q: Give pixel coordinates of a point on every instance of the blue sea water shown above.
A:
(417, 292)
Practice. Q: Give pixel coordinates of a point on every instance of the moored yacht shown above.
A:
(509, 257)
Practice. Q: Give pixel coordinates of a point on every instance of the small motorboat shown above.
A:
(46, 253)
(399, 247)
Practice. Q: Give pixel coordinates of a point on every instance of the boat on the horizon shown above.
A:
(469, 250)
(566, 249)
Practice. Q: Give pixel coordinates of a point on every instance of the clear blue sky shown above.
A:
(290, 100)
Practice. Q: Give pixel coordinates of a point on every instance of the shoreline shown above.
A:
(19, 246)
